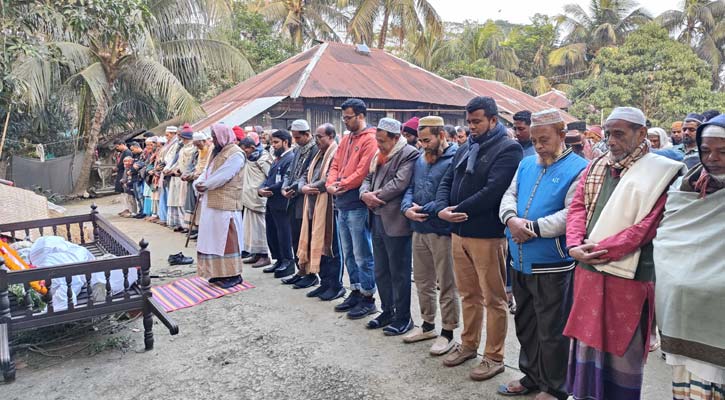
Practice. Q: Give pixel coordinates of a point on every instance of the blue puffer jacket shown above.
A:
(422, 191)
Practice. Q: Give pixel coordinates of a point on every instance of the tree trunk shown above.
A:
(384, 28)
(84, 177)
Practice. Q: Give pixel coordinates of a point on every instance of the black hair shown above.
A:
(247, 142)
(329, 129)
(283, 135)
(148, 134)
(648, 123)
(116, 142)
(710, 114)
(357, 105)
(523, 116)
(134, 144)
(487, 104)
(450, 130)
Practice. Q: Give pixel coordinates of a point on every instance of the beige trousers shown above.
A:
(480, 268)
(433, 267)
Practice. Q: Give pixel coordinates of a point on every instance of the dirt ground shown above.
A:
(270, 342)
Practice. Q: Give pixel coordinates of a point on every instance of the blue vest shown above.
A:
(542, 192)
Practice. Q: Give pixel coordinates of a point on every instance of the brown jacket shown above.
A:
(392, 179)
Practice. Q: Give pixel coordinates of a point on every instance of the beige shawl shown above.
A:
(311, 249)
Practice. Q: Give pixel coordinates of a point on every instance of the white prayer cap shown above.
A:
(249, 128)
(389, 125)
(207, 135)
(199, 136)
(162, 140)
(152, 139)
(172, 129)
(299, 125)
(629, 114)
(713, 131)
(546, 117)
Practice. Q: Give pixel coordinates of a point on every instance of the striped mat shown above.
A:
(188, 292)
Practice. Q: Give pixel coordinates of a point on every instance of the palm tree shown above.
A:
(488, 41)
(429, 51)
(122, 57)
(304, 20)
(410, 16)
(606, 23)
(701, 25)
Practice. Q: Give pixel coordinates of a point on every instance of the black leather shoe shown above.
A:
(292, 279)
(350, 302)
(272, 267)
(172, 256)
(381, 321)
(287, 268)
(317, 292)
(332, 294)
(181, 260)
(306, 282)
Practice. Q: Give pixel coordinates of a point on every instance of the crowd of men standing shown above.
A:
(577, 229)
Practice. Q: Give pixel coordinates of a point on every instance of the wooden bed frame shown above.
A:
(105, 239)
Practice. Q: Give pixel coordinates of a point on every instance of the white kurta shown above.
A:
(214, 223)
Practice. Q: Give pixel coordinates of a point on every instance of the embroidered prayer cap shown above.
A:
(172, 129)
(431, 120)
(694, 117)
(162, 139)
(411, 126)
(629, 114)
(546, 117)
(300, 125)
(389, 125)
(199, 136)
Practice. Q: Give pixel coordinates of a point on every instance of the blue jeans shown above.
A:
(357, 249)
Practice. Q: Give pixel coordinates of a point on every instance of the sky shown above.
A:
(519, 11)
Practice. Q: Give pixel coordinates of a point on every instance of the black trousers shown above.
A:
(279, 234)
(393, 268)
(295, 229)
(543, 302)
(331, 267)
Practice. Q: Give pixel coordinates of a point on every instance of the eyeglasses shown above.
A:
(349, 117)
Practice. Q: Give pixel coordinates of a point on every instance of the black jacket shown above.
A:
(275, 180)
(479, 193)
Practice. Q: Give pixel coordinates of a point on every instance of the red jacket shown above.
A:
(352, 160)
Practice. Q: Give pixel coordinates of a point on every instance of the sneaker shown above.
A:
(382, 320)
(332, 294)
(458, 356)
(398, 328)
(364, 307)
(292, 279)
(418, 335)
(317, 292)
(306, 282)
(441, 346)
(487, 369)
(350, 302)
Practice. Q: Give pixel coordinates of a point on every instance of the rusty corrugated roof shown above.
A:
(555, 98)
(338, 70)
(509, 100)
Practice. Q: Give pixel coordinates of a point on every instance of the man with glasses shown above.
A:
(522, 129)
(689, 144)
(469, 197)
(349, 168)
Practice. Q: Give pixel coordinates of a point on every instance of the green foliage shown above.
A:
(651, 71)
(250, 33)
(480, 68)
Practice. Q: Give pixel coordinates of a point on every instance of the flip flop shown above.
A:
(504, 391)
